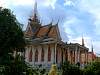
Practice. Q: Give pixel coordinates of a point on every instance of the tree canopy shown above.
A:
(11, 34)
(11, 39)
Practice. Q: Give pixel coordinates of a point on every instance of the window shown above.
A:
(49, 53)
(36, 55)
(30, 55)
(42, 54)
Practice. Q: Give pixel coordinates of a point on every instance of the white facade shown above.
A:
(44, 63)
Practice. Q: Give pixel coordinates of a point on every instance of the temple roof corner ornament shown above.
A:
(83, 41)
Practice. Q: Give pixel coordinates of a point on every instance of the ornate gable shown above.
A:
(54, 33)
(28, 32)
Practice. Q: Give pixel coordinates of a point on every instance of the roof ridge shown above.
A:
(48, 25)
(45, 25)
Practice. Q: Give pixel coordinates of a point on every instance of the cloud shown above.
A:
(22, 2)
(68, 3)
(92, 7)
(77, 25)
(70, 24)
(50, 3)
(4, 3)
(1, 3)
(45, 3)
(10, 3)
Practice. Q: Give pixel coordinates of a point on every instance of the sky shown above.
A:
(77, 18)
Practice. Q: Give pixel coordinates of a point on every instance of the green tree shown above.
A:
(11, 39)
(11, 34)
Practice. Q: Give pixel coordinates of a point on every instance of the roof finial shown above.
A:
(35, 7)
(92, 51)
(57, 22)
(91, 47)
(82, 41)
(35, 15)
(51, 22)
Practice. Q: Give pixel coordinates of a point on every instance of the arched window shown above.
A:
(42, 54)
(49, 53)
(36, 55)
(30, 55)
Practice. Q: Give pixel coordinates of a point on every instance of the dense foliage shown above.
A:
(68, 69)
(11, 39)
(36, 71)
(92, 69)
(11, 35)
(15, 67)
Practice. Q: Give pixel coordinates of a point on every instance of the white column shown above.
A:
(55, 52)
(68, 51)
(52, 53)
(27, 53)
(45, 55)
(76, 55)
(39, 54)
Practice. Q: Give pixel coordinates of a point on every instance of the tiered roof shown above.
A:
(35, 31)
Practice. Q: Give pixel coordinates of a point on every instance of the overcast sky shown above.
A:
(77, 18)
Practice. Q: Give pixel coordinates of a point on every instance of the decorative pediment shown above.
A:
(28, 32)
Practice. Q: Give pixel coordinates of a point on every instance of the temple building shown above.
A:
(44, 46)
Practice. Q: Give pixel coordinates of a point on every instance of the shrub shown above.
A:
(92, 69)
(68, 69)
